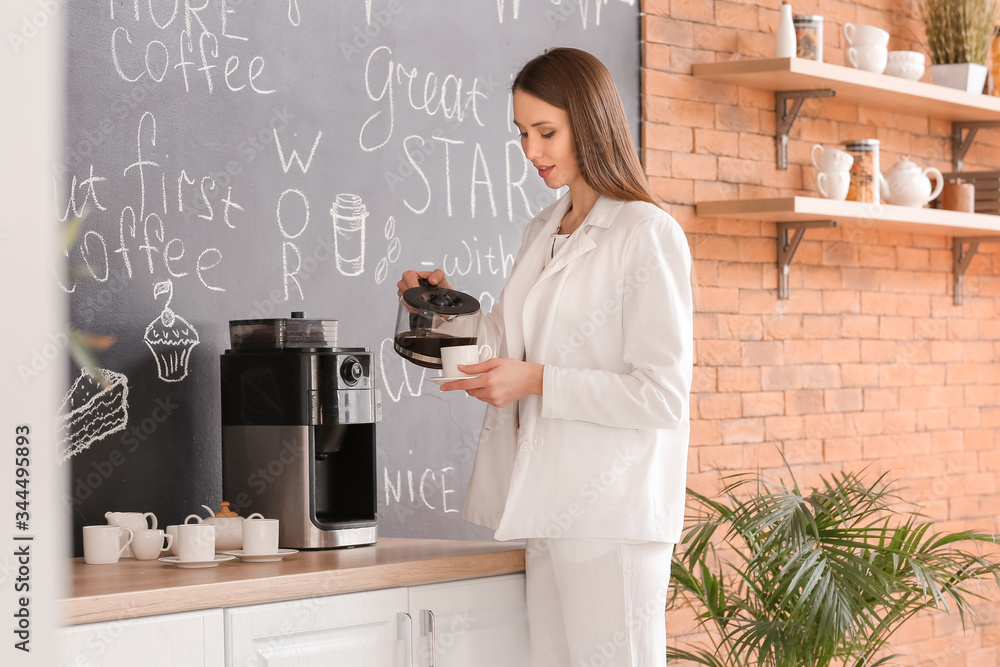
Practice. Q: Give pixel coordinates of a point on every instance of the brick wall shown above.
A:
(869, 363)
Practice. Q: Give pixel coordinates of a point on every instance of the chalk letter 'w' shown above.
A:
(294, 155)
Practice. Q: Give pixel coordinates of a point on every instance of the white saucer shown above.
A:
(440, 381)
(261, 558)
(175, 560)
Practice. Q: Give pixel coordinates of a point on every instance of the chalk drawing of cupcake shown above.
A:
(170, 338)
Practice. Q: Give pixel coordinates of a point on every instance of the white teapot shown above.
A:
(907, 185)
(228, 527)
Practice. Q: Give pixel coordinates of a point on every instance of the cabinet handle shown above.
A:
(427, 630)
(404, 631)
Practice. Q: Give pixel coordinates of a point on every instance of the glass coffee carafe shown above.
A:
(430, 318)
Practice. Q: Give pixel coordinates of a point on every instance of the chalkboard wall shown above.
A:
(216, 149)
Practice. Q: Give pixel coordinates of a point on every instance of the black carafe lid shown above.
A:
(440, 300)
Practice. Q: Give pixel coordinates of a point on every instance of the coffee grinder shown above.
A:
(298, 431)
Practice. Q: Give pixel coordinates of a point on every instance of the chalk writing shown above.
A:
(430, 97)
(286, 165)
(431, 482)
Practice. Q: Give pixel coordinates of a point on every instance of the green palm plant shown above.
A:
(785, 579)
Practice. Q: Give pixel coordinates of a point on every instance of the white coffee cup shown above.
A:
(462, 355)
(868, 57)
(834, 184)
(134, 520)
(831, 159)
(195, 542)
(860, 34)
(101, 545)
(260, 535)
(147, 544)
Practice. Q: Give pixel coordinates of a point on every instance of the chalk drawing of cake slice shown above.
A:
(170, 338)
(92, 409)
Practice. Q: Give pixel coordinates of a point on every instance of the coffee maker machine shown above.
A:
(298, 431)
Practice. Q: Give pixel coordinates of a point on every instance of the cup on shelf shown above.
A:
(827, 158)
(858, 34)
(959, 197)
(905, 64)
(195, 542)
(833, 184)
(104, 545)
(868, 57)
(260, 535)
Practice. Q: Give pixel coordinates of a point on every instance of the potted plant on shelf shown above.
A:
(780, 578)
(958, 36)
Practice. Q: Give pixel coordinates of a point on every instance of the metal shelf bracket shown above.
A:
(962, 257)
(785, 117)
(787, 247)
(960, 143)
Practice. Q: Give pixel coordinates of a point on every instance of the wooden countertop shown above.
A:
(134, 588)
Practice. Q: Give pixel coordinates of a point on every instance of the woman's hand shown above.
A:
(502, 382)
(412, 278)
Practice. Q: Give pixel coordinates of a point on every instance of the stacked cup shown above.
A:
(869, 48)
(833, 177)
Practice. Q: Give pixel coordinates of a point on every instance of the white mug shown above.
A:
(868, 58)
(147, 544)
(195, 542)
(834, 184)
(102, 546)
(134, 520)
(831, 159)
(860, 34)
(462, 355)
(260, 535)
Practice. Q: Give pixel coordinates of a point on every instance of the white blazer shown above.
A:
(602, 453)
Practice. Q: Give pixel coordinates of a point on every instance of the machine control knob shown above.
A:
(351, 371)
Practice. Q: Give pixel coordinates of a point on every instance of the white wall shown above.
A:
(32, 360)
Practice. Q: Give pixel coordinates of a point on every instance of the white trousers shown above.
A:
(597, 603)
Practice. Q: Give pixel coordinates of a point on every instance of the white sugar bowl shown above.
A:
(905, 64)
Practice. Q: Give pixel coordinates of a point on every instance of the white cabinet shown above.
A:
(481, 622)
(356, 629)
(191, 639)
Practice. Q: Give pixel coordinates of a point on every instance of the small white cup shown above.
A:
(834, 184)
(260, 535)
(147, 544)
(860, 34)
(101, 545)
(462, 355)
(869, 58)
(134, 520)
(831, 159)
(195, 542)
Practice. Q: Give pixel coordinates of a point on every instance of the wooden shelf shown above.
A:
(865, 88)
(877, 217)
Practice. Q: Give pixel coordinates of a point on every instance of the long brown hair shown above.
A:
(580, 84)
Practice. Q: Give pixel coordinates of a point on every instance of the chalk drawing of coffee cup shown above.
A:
(349, 216)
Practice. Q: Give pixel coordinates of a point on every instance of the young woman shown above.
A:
(583, 451)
